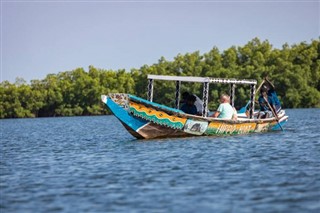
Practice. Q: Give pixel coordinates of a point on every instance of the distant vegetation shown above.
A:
(295, 71)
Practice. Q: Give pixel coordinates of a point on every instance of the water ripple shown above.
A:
(78, 165)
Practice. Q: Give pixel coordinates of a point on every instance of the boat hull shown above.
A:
(148, 120)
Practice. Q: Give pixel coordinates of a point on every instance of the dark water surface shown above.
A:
(91, 164)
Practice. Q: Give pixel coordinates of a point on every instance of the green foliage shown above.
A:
(294, 70)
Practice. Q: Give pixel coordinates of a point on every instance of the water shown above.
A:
(91, 164)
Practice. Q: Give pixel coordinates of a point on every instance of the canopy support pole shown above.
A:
(252, 97)
(178, 84)
(205, 99)
(150, 90)
(232, 95)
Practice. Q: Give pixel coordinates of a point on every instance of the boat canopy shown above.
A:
(206, 81)
(202, 79)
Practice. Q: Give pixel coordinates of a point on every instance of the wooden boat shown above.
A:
(145, 119)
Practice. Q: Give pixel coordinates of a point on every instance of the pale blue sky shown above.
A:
(42, 37)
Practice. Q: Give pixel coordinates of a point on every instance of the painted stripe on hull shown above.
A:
(219, 128)
(155, 116)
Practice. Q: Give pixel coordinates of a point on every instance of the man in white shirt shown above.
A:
(225, 110)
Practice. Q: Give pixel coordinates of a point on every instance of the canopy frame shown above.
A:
(205, 81)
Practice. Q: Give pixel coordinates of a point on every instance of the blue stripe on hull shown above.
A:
(132, 122)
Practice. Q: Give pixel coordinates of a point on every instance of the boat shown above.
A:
(145, 119)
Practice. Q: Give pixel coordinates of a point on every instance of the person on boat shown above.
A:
(273, 95)
(265, 111)
(184, 98)
(189, 106)
(198, 103)
(225, 110)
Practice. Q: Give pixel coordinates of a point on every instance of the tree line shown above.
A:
(294, 70)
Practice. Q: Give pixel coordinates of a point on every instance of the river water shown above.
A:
(91, 164)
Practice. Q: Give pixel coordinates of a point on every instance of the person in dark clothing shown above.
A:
(185, 96)
(273, 95)
(198, 103)
(189, 107)
(265, 111)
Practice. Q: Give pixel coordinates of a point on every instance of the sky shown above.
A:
(45, 37)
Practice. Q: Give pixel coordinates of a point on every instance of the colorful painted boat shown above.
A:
(145, 119)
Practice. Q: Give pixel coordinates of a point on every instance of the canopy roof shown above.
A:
(202, 79)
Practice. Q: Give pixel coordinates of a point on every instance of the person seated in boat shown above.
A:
(225, 110)
(184, 98)
(272, 94)
(263, 100)
(189, 107)
(198, 103)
